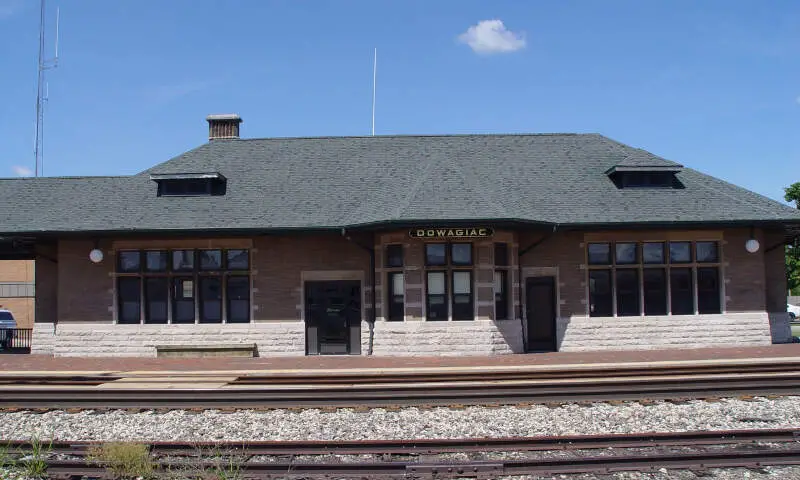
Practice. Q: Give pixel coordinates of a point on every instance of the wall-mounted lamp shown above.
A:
(96, 255)
(752, 244)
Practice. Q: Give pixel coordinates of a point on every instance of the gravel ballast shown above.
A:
(406, 423)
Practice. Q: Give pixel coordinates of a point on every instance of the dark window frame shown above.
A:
(445, 297)
(172, 278)
(712, 299)
(502, 267)
(449, 267)
(395, 304)
(394, 251)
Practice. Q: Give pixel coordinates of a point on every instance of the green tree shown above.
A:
(793, 251)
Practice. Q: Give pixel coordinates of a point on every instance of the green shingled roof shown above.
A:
(335, 182)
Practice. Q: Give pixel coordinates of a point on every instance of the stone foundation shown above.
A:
(76, 339)
(479, 337)
(664, 332)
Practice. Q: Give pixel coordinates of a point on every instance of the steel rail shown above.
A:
(446, 445)
(413, 469)
(490, 392)
(387, 376)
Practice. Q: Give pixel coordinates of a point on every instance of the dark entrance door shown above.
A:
(540, 309)
(333, 317)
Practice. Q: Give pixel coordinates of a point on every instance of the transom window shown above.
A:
(449, 282)
(654, 278)
(183, 286)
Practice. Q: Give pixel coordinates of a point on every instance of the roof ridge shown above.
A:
(417, 135)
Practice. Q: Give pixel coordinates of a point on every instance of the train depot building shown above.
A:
(399, 245)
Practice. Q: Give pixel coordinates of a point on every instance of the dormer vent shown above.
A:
(655, 176)
(190, 184)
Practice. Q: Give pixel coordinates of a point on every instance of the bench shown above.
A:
(214, 350)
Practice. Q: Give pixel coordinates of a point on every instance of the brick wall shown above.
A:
(279, 263)
(85, 289)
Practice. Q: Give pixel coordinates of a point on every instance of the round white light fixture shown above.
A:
(752, 245)
(96, 255)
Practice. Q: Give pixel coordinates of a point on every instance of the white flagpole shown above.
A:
(374, 85)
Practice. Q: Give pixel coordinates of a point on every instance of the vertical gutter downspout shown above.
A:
(520, 253)
(370, 321)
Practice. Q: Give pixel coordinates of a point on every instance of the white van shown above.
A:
(7, 326)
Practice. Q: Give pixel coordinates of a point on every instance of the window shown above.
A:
(437, 296)
(462, 295)
(449, 289)
(396, 297)
(500, 254)
(461, 254)
(395, 279)
(156, 293)
(599, 254)
(501, 279)
(210, 300)
(237, 260)
(210, 259)
(682, 289)
(655, 291)
(654, 278)
(183, 300)
(182, 260)
(183, 286)
(129, 261)
(600, 298)
(394, 256)
(627, 283)
(708, 300)
(653, 253)
(680, 252)
(129, 299)
(501, 294)
(436, 254)
(627, 253)
(238, 298)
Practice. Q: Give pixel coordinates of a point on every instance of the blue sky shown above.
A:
(714, 85)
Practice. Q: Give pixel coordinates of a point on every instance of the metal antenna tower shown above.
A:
(42, 89)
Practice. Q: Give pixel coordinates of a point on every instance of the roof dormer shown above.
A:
(190, 184)
(645, 176)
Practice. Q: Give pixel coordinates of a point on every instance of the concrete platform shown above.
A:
(182, 367)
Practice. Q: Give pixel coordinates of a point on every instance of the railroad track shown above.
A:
(741, 448)
(375, 394)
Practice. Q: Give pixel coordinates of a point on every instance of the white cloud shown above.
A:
(797, 99)
(491, 36)
(21, 171)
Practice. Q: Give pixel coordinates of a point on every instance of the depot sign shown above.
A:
(465, 232)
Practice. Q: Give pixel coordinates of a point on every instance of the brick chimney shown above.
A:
(223, 126)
